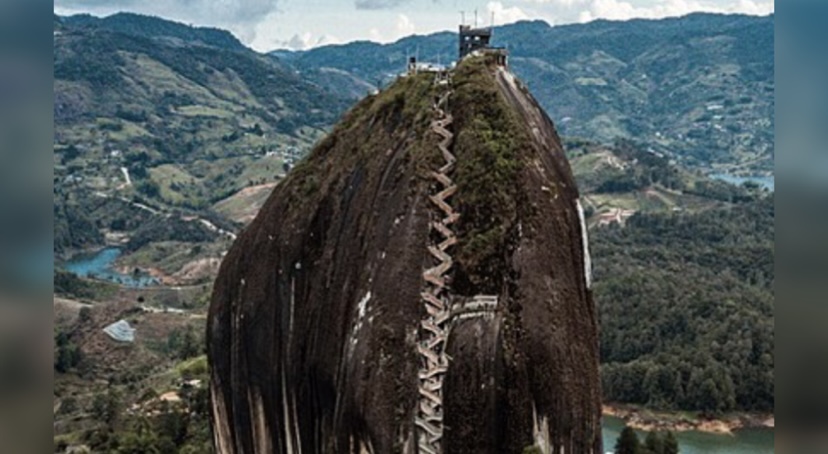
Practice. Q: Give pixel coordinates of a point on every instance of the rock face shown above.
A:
(321, 329)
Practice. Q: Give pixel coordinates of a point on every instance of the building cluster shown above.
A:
(472, 41)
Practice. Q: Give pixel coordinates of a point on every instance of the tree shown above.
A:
(68, 406)
(84, 315)
(670, 444)
(149, 188)
(107, 408)
(184, 344)
(173, 424)
(653, 444)
(627, 442)
(68, 355)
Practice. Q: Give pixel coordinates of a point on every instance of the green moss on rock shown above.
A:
(488, 150)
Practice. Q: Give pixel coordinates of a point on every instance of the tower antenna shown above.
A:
(462, 18)
(475, 18)
(492, 26)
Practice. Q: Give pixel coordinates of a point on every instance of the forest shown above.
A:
(686, 308)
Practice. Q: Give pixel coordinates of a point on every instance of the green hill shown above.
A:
(157, 28)
(171, 116)
(699, 88)
(205, 128)
(684, 284)
(627, 177)
(686, 305)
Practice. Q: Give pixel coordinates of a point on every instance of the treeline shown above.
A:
(654, 443)
(686, 306)
(68, 284)
(74, 227)
(723, 191)
(173, 228)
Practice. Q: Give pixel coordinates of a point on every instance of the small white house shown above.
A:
(121, 331)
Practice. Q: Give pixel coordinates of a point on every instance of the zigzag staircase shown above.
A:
(434, 328)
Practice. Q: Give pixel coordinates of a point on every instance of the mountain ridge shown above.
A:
(686, 259)
(169, 124)
(697, 87)
(156, 27)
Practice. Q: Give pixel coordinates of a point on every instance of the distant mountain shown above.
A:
(148, 67)
(176, 116)
(699, 88)
(155, 27)
(194, 117)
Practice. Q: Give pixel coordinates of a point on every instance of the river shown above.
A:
(100, 265)
(748, 441)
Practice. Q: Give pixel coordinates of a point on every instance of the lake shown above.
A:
(100, 265)
(748, 441)
(765, 182)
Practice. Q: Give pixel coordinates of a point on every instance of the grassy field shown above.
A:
(243, 205)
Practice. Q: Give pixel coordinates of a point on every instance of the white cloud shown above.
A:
(563, 3)
(375, 35)
(404, 26)
(238, 16)
(378, 4)
(303, 41)
(503, 14)
(613, 9)
(392, 31)
(585, 16)
(761, 8)
(624, 10)
(567, 11)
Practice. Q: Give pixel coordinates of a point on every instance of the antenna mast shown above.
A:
(475, 18)
(462, 18)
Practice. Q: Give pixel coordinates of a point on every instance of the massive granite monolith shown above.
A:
(420, 283)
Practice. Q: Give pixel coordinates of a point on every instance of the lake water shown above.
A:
(765, 182)
(100, 265)
(749, 441)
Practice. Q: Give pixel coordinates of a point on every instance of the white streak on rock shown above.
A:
(221, 431)
(363, 306)
(585, 240)
(261, 432)
(540, 431)
(362, 309)
(288, 420)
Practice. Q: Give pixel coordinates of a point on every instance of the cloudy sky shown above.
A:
(297, 24)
